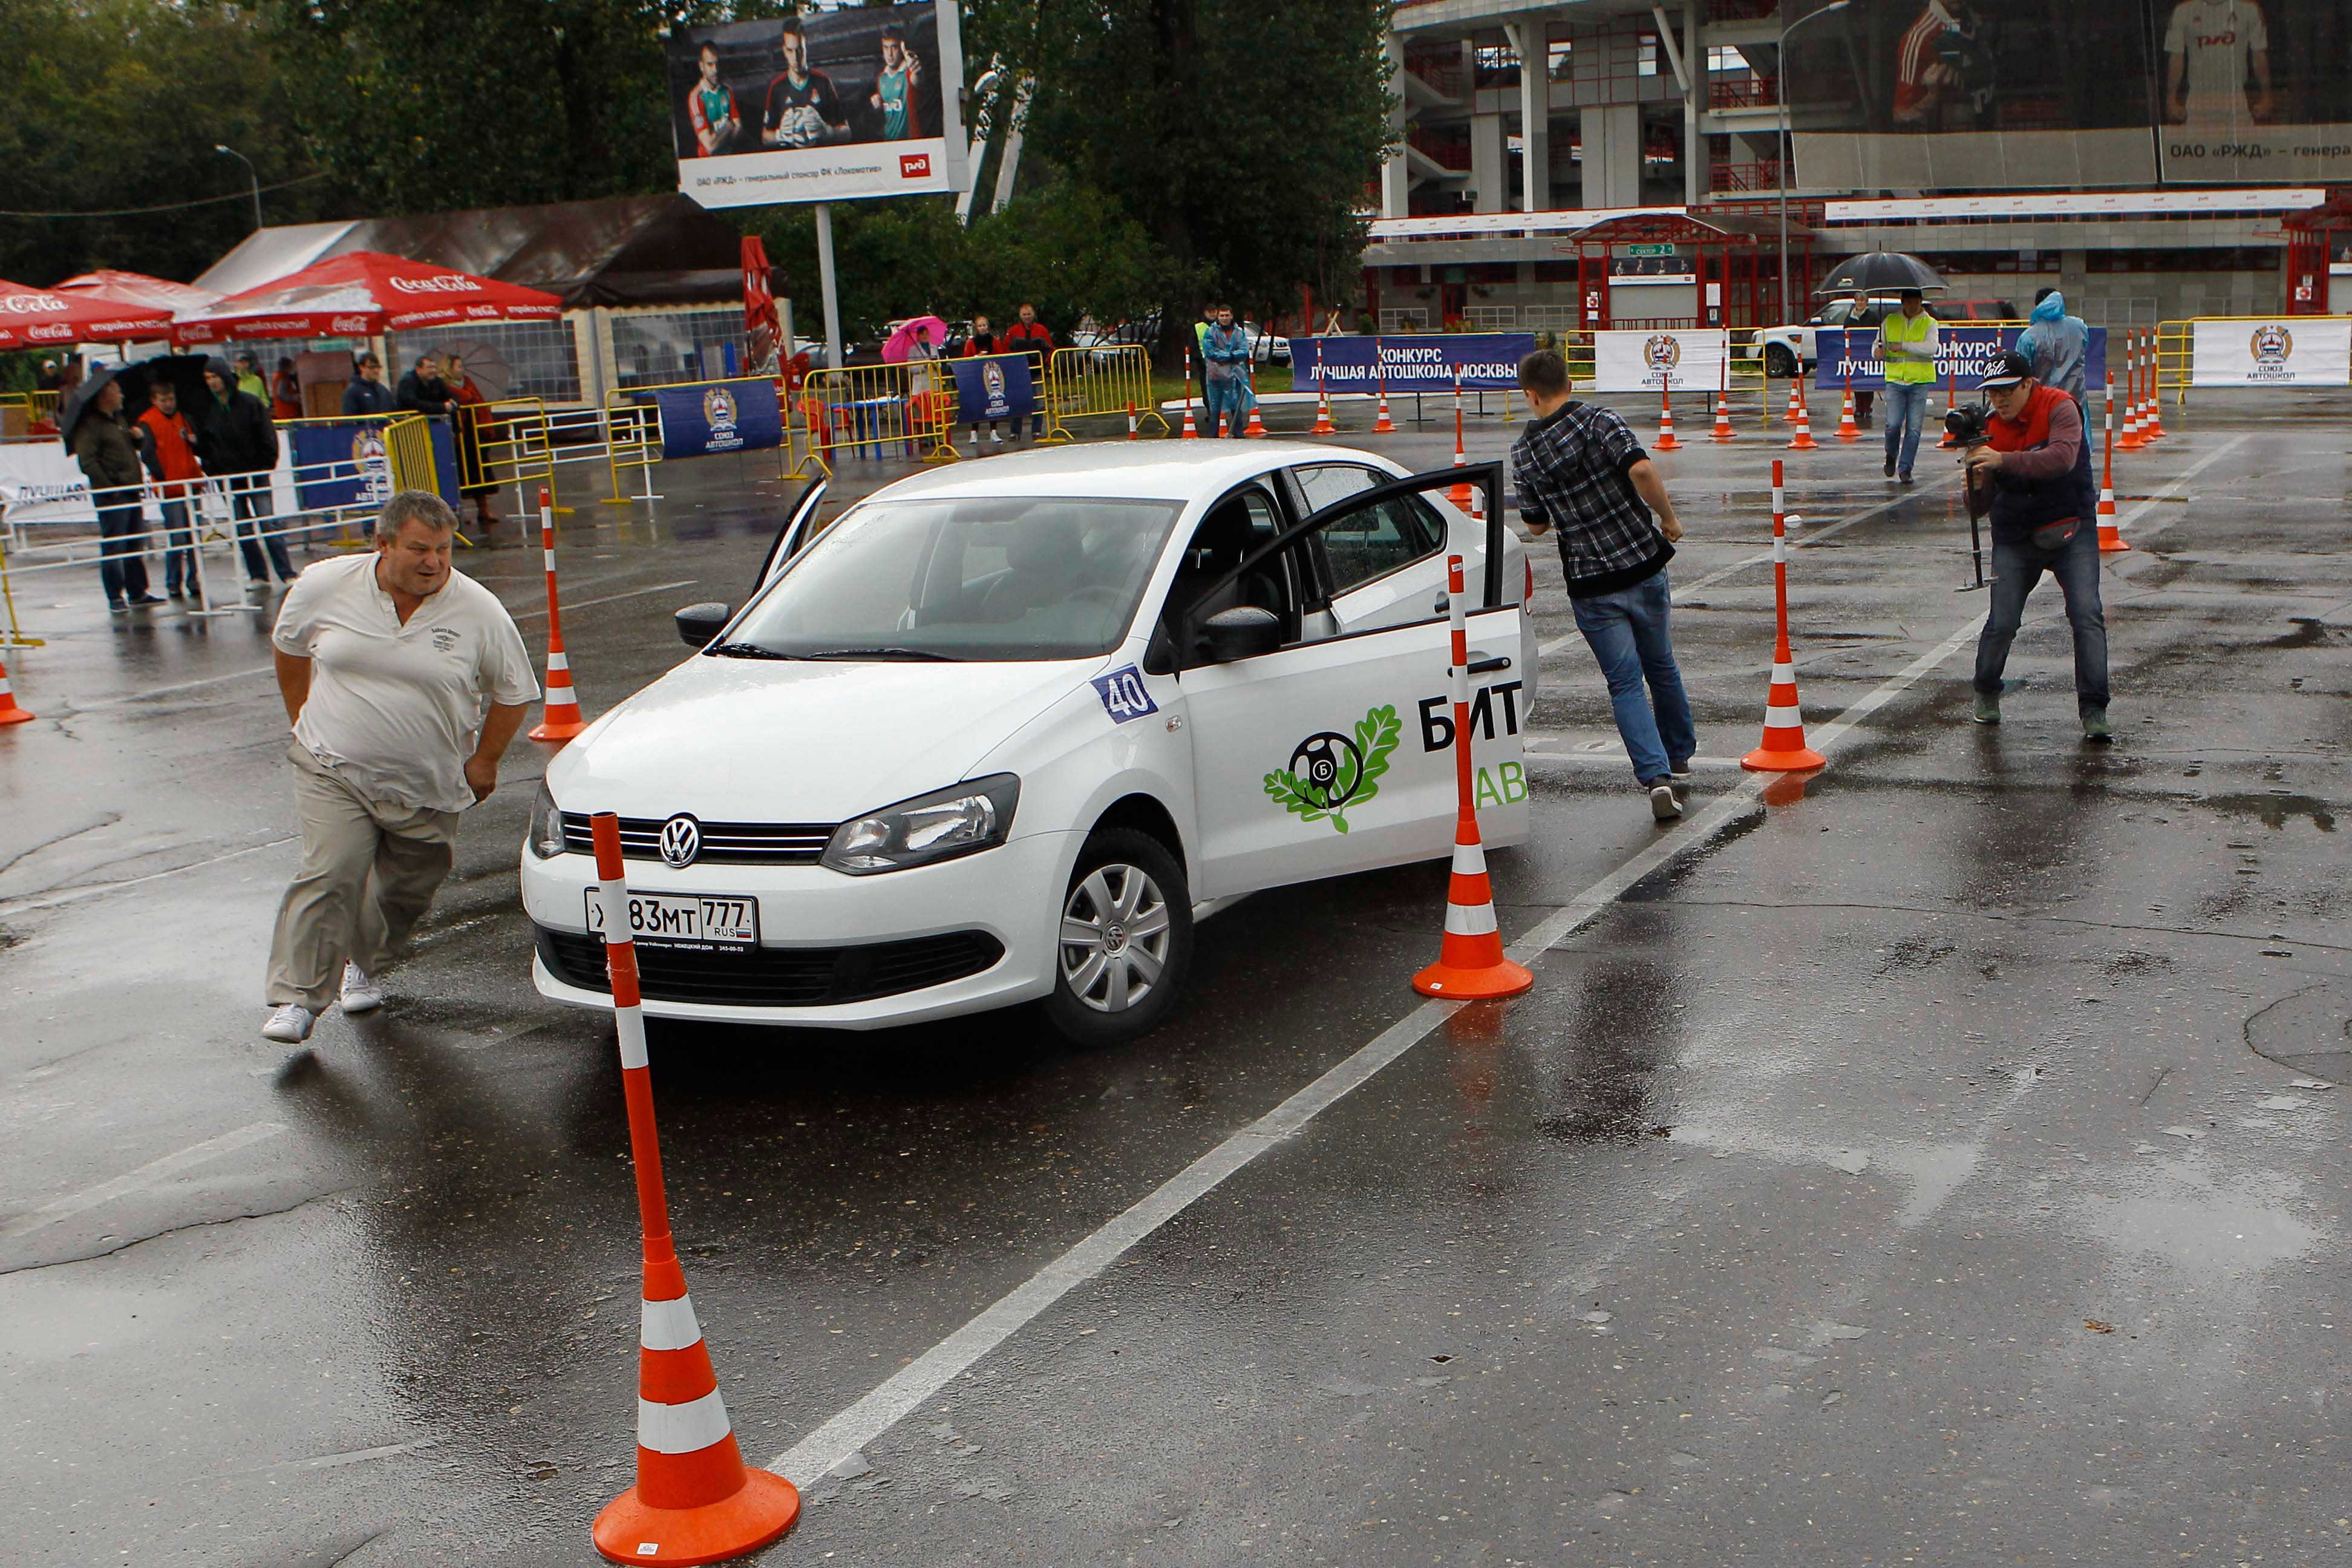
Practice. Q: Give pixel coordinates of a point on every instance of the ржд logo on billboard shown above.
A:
(914, 165)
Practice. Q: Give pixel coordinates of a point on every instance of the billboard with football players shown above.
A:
(2255, 92)
(830, 106)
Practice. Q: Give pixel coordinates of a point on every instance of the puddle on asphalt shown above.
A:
(2273, 810)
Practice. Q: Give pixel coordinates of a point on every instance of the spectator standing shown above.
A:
(1029, 336)
(1907, 345)
(170, 450)
(980, 346)
(1582, 471)
(239, 445)
(103, 446)
(51, 376)
(404, 680)
(422, 390)
(2057, 345)
(248, 377)
(285, 393)
(2037, 464)
(469, 411)
(365, 393)
(1225, 378)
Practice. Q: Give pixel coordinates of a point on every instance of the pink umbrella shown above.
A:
(30, 318)
(928, 330)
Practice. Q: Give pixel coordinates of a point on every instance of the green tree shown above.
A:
(1239, 134)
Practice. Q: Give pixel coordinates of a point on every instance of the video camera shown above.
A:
(1967, 424)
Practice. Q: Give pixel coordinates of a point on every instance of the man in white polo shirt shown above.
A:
(385, 662)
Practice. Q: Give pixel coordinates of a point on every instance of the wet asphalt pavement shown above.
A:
(1937, 1161)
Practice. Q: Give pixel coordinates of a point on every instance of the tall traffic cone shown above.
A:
(1192, 431)
(1784, 748)
(9, 712)
(1460, 494)
(1224, 424)
(2131, 441)
(560, 718)
(1723, 430)
(2152, 426)
(2110, 540)
(1665, 441)
(1847, 429)
(1323, 426)
(695, 1500)
(1130, 422)
(1253, 430)
(1470, 964)
(1382, 425)
(1796, 399)
(1802, 441)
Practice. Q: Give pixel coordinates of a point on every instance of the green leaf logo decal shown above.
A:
(1329, 773)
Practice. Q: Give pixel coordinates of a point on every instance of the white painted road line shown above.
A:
(902, 1393)
(27, 906)
(145, 1175)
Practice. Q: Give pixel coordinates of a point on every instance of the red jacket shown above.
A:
(1027, 337)
(174, 442)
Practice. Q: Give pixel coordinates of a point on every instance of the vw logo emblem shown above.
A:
(681, 840)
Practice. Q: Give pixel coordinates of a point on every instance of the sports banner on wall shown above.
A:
(993, 387)
(342, 464)
(831, 106)
(1413, 363)
(1964, 356)
(1690, 360)
(712, 417)
(2294, 351)
(2255, 91)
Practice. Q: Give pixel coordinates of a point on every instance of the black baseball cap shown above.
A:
(2010, 369)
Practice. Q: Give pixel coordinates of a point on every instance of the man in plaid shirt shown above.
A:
(1581, 471)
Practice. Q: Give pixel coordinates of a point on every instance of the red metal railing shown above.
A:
(1744, 92)
(1728, 178)
(1442, 73)
(1447, 152)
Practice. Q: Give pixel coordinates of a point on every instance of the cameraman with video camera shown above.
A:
(2029, 453)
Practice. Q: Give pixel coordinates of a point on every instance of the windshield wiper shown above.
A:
(924, 654)
(746, 650)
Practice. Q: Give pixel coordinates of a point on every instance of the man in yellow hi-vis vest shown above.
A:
(1908, 343)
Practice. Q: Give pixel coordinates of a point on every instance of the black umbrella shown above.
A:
(1880, 272)
(77, 402)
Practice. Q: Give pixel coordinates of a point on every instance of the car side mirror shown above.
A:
(1244, 631)
(699, 625)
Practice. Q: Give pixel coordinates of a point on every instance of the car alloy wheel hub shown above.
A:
(1115, 937)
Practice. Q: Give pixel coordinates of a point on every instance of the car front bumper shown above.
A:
(827, 935)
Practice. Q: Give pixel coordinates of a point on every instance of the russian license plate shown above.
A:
(700, 921)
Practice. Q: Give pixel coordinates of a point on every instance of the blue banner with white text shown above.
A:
(1964, 355)
(994, 387)
(1410, 362)
(340, 464)
(718, 416)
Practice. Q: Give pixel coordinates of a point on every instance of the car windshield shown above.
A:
(974, 577)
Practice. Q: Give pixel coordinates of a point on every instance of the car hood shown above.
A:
(735, 740)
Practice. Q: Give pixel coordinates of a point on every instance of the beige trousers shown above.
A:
(369, 873)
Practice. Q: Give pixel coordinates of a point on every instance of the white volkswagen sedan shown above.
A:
(1005, 731)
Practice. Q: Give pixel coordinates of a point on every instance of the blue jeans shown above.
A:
(2016, 568)
(1627, 633)
(180, 551)
(251, 498)
(122, 553)
(1906, 405)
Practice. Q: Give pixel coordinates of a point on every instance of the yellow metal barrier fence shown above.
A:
(508, 434)
(1114, 378)
(633, 439)
(878, 411)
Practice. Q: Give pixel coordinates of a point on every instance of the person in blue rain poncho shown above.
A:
(2057, 344)
(1224, 380)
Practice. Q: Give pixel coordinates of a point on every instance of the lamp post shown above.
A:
(255, 176)
(1780, 135)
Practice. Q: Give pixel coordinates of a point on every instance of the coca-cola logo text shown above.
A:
(452, 284)
(353, 324)
(31, 305)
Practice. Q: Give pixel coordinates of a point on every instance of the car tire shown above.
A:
(1779, 362)
(1122, 876)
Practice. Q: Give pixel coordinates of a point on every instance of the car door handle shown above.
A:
(1445, 602)
(1482, 664)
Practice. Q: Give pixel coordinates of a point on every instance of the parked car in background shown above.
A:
(1787, 349)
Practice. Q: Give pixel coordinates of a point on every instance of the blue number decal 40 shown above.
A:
(1123, 695)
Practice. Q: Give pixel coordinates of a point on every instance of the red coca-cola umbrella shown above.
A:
(136, 289)
(40, 318)
(360, 293)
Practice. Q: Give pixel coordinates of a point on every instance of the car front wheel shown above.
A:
(1126, 941)
(1779, 362)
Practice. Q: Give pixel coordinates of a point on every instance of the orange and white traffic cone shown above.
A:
(1192, 431)
(1796, 399)
(1382, 425)
(1253, 430)
(1460, 494)
(9, 712)
(2131, 441)
(1847, 429)
(1802, 441)
(1784, 748)
(1470, 962)
(695, 1500)
(2152, 428)
(560, 718)
(2110, 540)
(1323, 426)
(1224, 425)
(1665, 441)
(1130, 422)
(1723, 430)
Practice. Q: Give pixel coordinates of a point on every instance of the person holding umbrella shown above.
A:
(101, 441)
(1907, 345)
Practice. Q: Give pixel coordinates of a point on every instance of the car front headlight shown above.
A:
(962, 820)
(545, 838)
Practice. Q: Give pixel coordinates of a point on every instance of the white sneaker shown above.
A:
(289, 1024)
(361, 995)
(1662, 804)
(995, 439)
